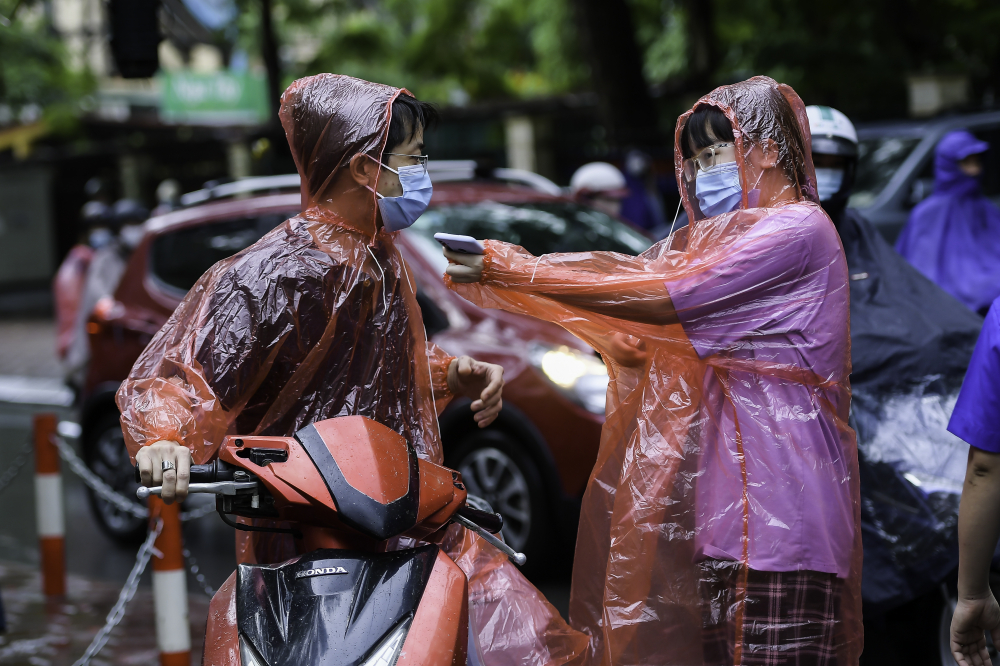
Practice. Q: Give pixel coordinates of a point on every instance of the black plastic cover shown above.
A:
(910, 538)
(355, 509)
(910, 341)
(330, 607)
(904, 328)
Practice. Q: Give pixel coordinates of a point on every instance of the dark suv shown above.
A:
(532, 464)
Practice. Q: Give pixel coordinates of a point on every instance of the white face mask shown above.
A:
(828, 182)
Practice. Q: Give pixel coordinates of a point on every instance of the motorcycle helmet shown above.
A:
(835, 155)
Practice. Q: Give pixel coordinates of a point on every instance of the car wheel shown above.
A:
(497, 469)
(105, 454)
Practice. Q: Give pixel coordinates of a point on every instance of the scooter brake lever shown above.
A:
(216, 488)
(517, 558)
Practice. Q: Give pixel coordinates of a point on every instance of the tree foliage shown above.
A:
(35, 78)
(852, 54)
(443, 50)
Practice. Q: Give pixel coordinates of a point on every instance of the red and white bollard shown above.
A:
(173, 631)
(49, 507)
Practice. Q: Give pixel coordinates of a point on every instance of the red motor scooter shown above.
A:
(346, 486)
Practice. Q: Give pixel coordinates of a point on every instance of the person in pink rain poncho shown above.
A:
(721, 521)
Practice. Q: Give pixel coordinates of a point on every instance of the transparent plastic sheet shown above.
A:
(912, 470)
(726, 455)
(318, 319)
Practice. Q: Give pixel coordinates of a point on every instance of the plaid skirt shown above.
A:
(789, 618)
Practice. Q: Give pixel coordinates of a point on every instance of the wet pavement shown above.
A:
(56, 634)
(41, 633)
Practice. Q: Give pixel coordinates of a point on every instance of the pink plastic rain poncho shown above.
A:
(726, 455)
(319, 319)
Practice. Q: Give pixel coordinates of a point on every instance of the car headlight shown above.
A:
(581, 377)
(388, 650)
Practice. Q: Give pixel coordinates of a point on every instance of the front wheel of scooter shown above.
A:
(497, 469)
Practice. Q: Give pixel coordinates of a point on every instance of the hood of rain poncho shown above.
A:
(319, 319)
(755, 109)
(953, 236)
(313, 321)
(730, 440)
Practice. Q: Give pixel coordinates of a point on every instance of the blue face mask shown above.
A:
(400, 212)
(718, 189)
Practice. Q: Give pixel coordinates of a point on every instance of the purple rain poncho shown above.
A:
(953, 237)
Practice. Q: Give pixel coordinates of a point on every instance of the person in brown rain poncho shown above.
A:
(319, 319)
(721, 522)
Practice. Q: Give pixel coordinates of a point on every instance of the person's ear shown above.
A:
(363, 171)
(770, 154)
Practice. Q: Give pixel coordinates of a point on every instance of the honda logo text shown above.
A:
(327, 571)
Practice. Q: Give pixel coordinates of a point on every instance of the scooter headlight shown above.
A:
(581, 377)
(388, 650)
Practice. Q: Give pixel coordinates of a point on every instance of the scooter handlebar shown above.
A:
(517, 558)
(489, 521)
(213, 471)
(215, 488)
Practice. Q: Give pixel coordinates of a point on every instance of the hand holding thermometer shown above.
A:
(458, 243)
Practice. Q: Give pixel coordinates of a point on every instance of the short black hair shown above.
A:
(408, 115)
(695, 132)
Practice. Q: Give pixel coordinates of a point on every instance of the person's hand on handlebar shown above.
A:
(150, 460)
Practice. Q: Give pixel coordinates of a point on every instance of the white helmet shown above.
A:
(597, 177)
(831, 130)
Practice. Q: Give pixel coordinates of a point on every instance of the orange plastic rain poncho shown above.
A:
(319, 319)
(726, 454)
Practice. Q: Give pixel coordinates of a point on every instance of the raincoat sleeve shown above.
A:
(200, 371)
(168, 396)
(439, 361)
(637, 296)
(609, 283)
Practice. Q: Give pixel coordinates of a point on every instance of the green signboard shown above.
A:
(220, 98)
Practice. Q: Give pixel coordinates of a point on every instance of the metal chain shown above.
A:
(118, 611)
(16, 466)
(198, 513)
(199, 577)
(106, 492)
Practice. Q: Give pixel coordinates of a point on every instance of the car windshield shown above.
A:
(178, 258)
(540, 228)
(878, 160)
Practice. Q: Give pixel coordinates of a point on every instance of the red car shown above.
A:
(532, 464)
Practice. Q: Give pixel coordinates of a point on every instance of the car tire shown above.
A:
(105, 454)
(498, 469)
